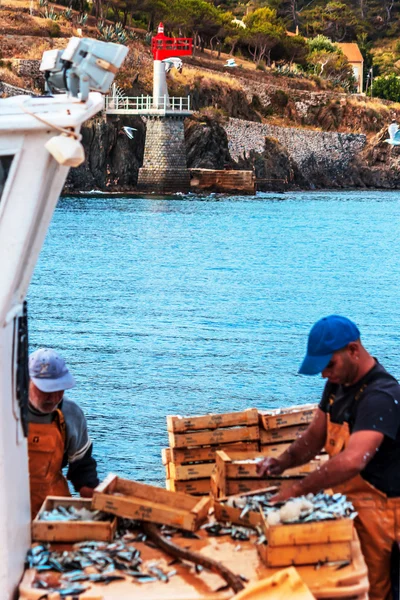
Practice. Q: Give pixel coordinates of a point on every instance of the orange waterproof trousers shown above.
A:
(378, 520)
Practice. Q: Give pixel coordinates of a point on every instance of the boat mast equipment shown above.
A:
(84, 65)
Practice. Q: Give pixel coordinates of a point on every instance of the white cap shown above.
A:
(49, 372)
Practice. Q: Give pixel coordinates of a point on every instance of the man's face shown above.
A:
(342, 368)
(45, 402)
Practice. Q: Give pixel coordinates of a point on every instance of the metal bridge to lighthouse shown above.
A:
(166, 52)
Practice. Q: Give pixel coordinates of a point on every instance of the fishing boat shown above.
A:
(39, 142)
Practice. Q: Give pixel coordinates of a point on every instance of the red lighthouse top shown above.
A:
(165, 47)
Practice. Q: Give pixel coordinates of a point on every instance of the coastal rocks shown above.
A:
(378, 165)
(112, 160)
(206, 144)
(273, 167)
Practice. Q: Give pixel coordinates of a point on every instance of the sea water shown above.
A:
(190, 305)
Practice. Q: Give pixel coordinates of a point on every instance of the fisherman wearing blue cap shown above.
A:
(358, 423)
(57, 433)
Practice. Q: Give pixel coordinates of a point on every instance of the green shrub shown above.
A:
(53, 28)
(387, 87)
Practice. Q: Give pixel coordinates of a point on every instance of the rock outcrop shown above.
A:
(112, 159)
(207, 144)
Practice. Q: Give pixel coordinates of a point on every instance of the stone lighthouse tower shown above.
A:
(164, 165)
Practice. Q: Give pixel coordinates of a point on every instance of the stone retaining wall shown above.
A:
(312, 151)
(8, 90)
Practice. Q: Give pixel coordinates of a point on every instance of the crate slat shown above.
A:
(284, 434)
(195, 487)
(200, 454)
(218, 436)
(178, 424)
(284, 556)
(299, 415)
(186, 472)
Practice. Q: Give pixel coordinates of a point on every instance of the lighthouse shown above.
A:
(164, 167)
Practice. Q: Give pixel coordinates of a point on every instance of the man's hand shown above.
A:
(86, 492)
(269, 466)
(291, 491)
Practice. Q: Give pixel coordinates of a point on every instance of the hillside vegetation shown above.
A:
(275, 72)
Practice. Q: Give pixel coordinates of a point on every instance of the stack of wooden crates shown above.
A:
(193, 442)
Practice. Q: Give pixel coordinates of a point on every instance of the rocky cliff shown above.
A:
(284, 159)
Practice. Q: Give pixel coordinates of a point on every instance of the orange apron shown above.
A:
(46, 446)
(378, 520)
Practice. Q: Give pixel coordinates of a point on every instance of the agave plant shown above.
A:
(82, 19)
(50, 14)
(118, 28)
(68, 14)
(43, 3)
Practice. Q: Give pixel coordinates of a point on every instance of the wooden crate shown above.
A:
(71, 531)
(199, 454)
(230, 514)
(237, 465)
(319, 532)
(134, 500)
(298, 415)
(283, 434)
(194, 487)
(178, 424)
(214, 437)
(231, 487)
(304, 554)
(187, 472)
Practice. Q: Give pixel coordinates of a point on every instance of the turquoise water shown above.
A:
(186, 306)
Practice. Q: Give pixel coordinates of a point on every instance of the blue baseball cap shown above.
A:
(48, 371)
(327, 336)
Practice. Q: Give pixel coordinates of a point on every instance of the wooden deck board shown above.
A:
(326, 582)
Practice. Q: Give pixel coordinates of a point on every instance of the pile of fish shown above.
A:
(93, 562)
(310, 508)
(236, 532)
(70, 513)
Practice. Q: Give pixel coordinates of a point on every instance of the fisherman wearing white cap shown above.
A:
(57, 433)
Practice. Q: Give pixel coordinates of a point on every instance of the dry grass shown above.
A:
(193, 76)
(9, 77)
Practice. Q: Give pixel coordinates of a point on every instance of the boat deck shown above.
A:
(324, 581)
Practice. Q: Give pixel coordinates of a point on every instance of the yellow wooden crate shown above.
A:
(305, 554)
(313, 532)
(71, 531)
(195, 487)
(200, 454)
(178, 424)
(282, 434)
(140, 501)
(214, 437)
(297, 415)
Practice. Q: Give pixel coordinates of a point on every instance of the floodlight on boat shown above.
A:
(84, 65)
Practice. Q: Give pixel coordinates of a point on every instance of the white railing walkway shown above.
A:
(144, 105)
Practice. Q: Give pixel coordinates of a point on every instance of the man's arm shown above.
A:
(361, 448)
(301, 451)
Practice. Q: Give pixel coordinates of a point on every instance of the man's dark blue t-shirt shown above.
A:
(377, 409)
